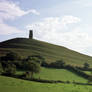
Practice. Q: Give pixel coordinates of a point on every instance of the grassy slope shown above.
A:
(59, 74)
(51, 52)
(88, 72)
(16, 85)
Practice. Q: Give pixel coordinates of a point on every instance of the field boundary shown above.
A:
(50, 81)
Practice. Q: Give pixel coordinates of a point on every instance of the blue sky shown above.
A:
(63, 22)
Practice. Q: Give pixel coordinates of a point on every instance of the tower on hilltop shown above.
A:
(30, 34)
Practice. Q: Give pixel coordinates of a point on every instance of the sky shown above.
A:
(66, 23)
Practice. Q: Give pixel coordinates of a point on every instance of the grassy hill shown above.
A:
(8, 84)
(25, 47)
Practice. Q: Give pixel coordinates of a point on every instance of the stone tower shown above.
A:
(30, 34)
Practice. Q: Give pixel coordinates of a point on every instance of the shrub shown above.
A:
(58, 64)
(37, 58)
(12, 56)
(86, 65)
(10, 69)
(1, 69)
(90, 79)
(32, 67)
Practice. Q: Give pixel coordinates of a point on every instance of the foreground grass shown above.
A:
(8, 84)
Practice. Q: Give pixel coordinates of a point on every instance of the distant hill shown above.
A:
(25, 47)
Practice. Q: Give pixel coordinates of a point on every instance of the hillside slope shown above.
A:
(25, 47)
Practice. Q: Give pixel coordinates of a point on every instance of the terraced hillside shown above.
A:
(25, 47)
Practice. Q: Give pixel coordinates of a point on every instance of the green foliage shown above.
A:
(27, 75)
(1, 69)
(58, 64)
(12, 56)
(32, 67)
(86, 65)
(10, 69)
(37, 58)
(32, 64)
(90, 79)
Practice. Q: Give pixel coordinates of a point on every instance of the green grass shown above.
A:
(88, 72)
(8, 84)
(51, 52)
(57, 74)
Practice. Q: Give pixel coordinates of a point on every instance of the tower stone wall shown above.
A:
(30, 34)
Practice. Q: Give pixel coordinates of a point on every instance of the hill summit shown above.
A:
(30, 46)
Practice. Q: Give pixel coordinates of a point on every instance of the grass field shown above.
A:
(51, 52)
(88, 72)
(8, 84)
(57, 74)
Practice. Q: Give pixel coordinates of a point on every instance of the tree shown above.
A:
(86, 65)
(37, 58)
(90, 79)
(1, 69)
(12, 56)
(32, 67)
(58, 64)
(10, 69)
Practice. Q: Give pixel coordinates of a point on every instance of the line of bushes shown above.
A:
(77, 71)
(83, 68)
(59, 81)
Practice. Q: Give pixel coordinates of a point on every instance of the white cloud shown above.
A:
(33, 11)
(76, 40)
(6, 29)
(56, 30)
(9, 11)
(70, 20)
(84, 3)
(53, 24)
